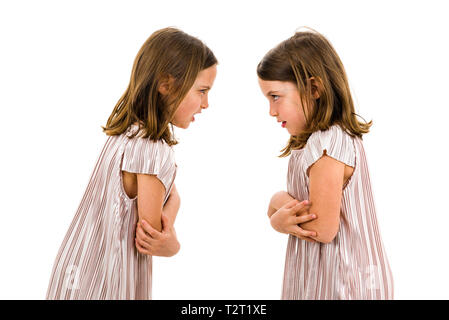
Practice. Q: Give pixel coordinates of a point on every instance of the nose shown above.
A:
(204, 102)
(273, 112)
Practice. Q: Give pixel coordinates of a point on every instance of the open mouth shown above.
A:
(283, 124)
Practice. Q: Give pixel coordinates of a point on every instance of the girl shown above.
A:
(338, 254)
(133, 180)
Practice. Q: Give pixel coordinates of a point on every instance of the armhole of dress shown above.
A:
(350, 179)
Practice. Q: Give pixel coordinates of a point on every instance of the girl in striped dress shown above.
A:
(334, 248)
(128, 210)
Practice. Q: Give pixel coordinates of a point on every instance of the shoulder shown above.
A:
(334, 142)
(145, 149)
(138, 142)
(145, 156)
(139, 148)
(332, 135)
(147, 143)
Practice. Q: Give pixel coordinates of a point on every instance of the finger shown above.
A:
(303, 233)
(142, 236)
(141, 249)
(304, 218)
(144, 240)
(165, 223)
(291, 204)
(150, 230)
(143, 244)
(301, 207)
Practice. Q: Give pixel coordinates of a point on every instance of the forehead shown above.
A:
(206, 76)
(269, 85)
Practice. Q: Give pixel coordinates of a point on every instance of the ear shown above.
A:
(166, 85)
(317, 87)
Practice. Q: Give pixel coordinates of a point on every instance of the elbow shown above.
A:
(175, 194)
(178, 247)
(324, 239)
(176, 199)
(326, 226)
(271, 211)
(326, 236)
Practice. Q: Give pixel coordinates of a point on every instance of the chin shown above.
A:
(181, 126)
(294, 131)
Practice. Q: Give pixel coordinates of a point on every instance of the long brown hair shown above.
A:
(168, 52)
(305, 55)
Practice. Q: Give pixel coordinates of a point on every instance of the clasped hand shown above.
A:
(150, 241)
(288, 217)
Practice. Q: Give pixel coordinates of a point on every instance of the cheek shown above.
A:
(193, 102)
(296, 112)
(187, 107)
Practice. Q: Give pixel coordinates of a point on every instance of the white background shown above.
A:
(64, 65)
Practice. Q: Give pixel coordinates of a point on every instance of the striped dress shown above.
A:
(98, 258)
(354, 265)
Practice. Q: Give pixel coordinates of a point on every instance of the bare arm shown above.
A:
(165, 243)
(172, 205)
(326, 178)
(150, 198)
(278, 200)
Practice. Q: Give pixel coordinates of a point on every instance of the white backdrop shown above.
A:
(64, 65)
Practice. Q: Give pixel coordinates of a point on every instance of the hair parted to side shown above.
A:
(167, 53)
(305, 55)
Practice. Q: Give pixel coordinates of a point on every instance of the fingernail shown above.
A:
(143, 222)
(313, 216)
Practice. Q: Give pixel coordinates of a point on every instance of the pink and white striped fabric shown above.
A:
(354, 265)
(98, 258)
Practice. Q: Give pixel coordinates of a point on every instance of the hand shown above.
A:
(152, 242)
(287, 218)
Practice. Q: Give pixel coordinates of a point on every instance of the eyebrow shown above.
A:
(206, 87)
(271, 92)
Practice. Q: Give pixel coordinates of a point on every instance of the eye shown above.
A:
(203, 91)
(275, 97)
